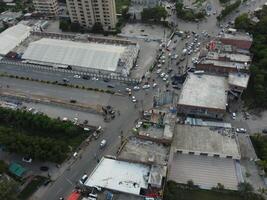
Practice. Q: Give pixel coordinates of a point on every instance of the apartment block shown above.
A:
(49, 7)
(89, 12)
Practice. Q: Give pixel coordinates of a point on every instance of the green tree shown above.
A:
(8, 189)
(154, 14)
(64, 25)
(243, 22)
(245, 187)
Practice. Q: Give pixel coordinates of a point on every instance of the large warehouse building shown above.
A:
(12, 37)
(85, 56)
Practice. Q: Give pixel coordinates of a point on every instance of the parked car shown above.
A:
(147, 86)
(241, 130)
(85, 77)
(128, 89)
(83, 179)
(133, 99)
(27, 159)
(76, 76)
(44, 168)
(233, 115)
(103, 143)
(136, 88)
(264, 130)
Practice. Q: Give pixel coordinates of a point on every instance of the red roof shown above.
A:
(74, 196)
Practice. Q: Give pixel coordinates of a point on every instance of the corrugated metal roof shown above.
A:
(12, 37)
(89, 55)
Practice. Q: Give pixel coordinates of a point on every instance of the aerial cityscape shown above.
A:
(133, 99)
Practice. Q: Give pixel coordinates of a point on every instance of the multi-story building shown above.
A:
(49, 7)
(89, 12)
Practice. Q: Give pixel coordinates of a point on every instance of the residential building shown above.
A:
(49, 7)
(239, 40)
(89, 12)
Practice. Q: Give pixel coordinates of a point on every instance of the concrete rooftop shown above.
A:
(206, 91)
(205, 140)
(238, 79)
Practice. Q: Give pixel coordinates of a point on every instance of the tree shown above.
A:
(8, 189)
(245, 187)
(220, 186)
(243, 22)
(97, 28)
(190, 184)
(64, 25)
(154, 14)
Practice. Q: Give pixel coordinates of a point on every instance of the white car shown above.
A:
(133, 99)
(76, 76)
(241, 130)
(83, 179)
(162, 75)
(155, 85)
(233, 115)
(128, 89)
(136, 88)
(95, 79)
(138, 125)
(103, 143)
(158, 71)
(27, 159)
(147, 86)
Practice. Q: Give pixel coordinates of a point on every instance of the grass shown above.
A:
(36, 182)
(120, 4)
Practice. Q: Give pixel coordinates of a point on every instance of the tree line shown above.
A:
(256, 94)
(187, 14)
(37, 135)
(228, 9)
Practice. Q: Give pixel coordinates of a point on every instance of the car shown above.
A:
(241, 130)
(138, 125)
(47, 182)
(106, 80)
(83, 179)
(95, 79)
(136, 88)
(155, 85)
(27, 159)
(162, 75)
(44, 168)
(158, 71)
(128, 89)
(110, 86)
(76, 76)
(147, 86)
(85, 77)
(133, 99)
(103, 143)
(233, 115)
(264, 130)
(65, 80)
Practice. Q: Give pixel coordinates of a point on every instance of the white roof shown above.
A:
(89, 55)
(238, 79)
(119, 176)
(206, 91)
(12, 37)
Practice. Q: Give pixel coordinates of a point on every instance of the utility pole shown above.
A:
(122, 137)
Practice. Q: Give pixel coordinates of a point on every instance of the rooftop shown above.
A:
(206, 91)
(206, 140)
(226, 64)
(237, 36)
(12, 37)
(119, 176)
(201, 122)
(206, 172)
(144, 151)
(238, 79)
(235, 57)
(82, 54)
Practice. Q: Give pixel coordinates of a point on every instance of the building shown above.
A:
(128, 177)
(83, 55)
(206, 156)
(238, 82)
(12, 37)
(48, 7)
(204, 95)
(89, 12)
(239, 40)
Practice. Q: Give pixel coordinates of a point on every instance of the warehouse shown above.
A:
(12, 37)
(85, 56)
(204, 95)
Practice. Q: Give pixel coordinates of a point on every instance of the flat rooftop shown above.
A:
(144, 151)
(236, 36)
(226, 64)
(238, 79)
(156, 133)
(206, 172)
(208, 140)
(235, 57)
(119, 176)
(206, 91)
(81, 54)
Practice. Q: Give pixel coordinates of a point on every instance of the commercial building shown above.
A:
(89, 12)
(48, 7)
(239, 40)
(12, 37)
(83, 56)
(238, 82)
(127, 177)
(206, 156)
(203, 95)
